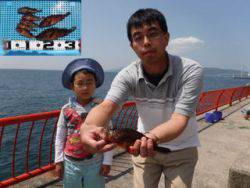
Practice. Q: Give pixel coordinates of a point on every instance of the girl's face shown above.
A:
(84, 86)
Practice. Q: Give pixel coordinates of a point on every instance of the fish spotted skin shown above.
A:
(28, 10)
(29, 23)
(31, 17)
(53, 19)
(25, 32)
(124, 138)
(25, 26)
(54, 33)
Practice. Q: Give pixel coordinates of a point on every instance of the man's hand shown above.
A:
(161, 133)
(92, 135)
(92, 138)
(58, 172)
(143, 147)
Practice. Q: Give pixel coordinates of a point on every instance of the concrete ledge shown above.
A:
(239, 173)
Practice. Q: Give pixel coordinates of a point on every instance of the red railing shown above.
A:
(13, 125)
(212, 100)
(40, 128)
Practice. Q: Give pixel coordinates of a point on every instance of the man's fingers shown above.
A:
(100, 132)
(150, 147)
(107, 147)
(135, 149)
(94, 146)
(143, 148)
(93, 139)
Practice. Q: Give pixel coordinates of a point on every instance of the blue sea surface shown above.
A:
(33, 91)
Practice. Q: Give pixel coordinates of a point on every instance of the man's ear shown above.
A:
(166, 37)
(131, 45)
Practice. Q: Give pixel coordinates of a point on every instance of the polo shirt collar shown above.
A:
(166, 75)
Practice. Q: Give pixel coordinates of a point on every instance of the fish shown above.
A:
(28, 10)
(25, 32)
(54, 33)
(125, 137)
(52, 19)
(30, 17)
(25, 26)
(29, 23)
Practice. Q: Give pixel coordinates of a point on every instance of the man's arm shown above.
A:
(171, 129)
(101, 114)
(93, 129)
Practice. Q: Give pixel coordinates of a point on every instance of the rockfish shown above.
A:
(25, 26)
(54, 33)
(31, 18)
(25, 32)
(28, 24)
(125, 137)
(27, 10)
(52, 19)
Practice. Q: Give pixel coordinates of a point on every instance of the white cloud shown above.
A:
(59, 7)
(184, 44)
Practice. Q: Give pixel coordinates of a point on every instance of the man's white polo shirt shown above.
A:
(178, 91)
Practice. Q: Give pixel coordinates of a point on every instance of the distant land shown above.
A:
(212, 71)
(208, 71)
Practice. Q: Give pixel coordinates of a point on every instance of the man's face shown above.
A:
(149, 42)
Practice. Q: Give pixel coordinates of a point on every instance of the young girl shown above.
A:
(78, 167)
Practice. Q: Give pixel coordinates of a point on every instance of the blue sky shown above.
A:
(214, 32)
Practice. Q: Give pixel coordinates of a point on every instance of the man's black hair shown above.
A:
(146, 16)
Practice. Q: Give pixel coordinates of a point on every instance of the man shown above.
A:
(166, 89)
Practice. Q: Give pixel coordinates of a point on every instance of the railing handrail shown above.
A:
(28, 117)
(210, 100)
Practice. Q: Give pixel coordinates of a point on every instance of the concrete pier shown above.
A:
(239, 173)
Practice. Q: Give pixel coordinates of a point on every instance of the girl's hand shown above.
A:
(59, 170)
(105, 169)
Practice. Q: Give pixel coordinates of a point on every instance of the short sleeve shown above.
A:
(120, 88)
(189, 93)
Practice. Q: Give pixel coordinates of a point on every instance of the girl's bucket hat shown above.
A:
(82, 64)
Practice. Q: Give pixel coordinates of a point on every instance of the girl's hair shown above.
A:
(84, 71)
